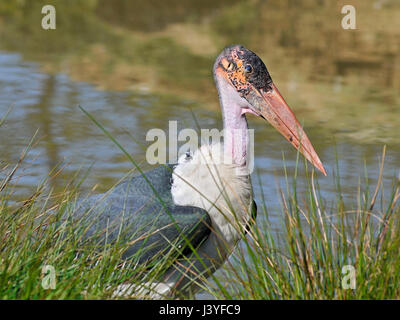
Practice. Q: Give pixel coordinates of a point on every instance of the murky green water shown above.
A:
(136, 74)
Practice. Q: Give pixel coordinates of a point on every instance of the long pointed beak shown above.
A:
(273, 108)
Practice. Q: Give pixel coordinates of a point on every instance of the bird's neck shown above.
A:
(236, 136)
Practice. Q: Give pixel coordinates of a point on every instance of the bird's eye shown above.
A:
(248, 68)
(230, 66)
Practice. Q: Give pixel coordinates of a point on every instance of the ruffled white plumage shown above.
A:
(210, 180)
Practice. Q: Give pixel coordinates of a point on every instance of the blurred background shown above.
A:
(137, 64)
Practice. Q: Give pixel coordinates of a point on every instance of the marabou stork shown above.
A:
(205, 201)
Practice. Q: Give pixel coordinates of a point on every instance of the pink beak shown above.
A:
(272, 107)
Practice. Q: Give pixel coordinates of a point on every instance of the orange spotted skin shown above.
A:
(234, 60)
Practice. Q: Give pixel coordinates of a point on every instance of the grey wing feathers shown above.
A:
(253, 215)
(132, 213)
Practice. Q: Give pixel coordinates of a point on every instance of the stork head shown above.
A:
(254, 91)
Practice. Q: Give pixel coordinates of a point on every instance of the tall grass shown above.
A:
(34, 235)
(321, 247)
(305, 260)
(38, 244)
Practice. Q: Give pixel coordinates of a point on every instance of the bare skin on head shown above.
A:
(244, 71)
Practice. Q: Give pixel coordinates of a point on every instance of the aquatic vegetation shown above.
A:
(344, 83)
(303, 261)
(322, 246)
